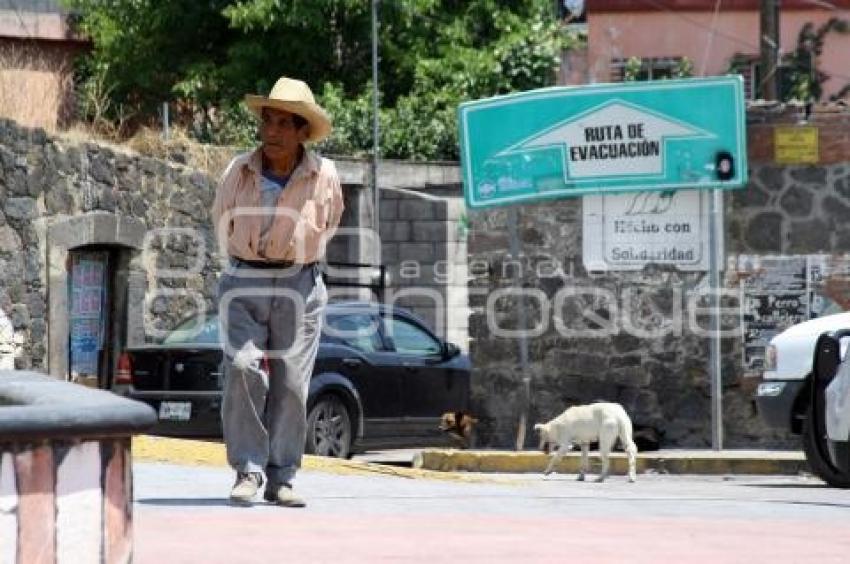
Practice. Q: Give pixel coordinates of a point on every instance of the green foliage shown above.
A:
(233, 124)
(352, 121)
(203, 56)
(633, 69)
(684, 68)
(802, 78)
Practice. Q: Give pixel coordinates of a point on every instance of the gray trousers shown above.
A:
(277, 314)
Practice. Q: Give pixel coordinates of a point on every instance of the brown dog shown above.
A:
(460, 426)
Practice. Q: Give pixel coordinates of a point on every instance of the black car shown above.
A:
(381, 379)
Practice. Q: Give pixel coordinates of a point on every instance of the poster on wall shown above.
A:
(774, 296)
(780, 291)
(88, 314)
(829, 278)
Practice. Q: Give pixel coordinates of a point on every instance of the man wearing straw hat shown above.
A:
(275, 210)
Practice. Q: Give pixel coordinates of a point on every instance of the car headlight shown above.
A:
(770, 388)
(770, 358)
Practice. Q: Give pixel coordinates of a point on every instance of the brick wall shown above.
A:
(832, 121)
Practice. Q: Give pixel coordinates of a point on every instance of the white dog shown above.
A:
(583, 424)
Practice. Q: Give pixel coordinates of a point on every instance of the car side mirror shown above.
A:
(450, 350)
(827, 357)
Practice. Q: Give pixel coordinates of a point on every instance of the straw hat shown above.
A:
(296, 97)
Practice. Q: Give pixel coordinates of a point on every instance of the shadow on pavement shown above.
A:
(786, 486)
(185, 502)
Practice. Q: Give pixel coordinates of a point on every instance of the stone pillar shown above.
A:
(65, 471)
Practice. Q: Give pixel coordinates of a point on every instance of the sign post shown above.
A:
(656, 136)
(523, 340)
(714, 371)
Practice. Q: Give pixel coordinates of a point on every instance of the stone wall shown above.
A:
(661, 375)
(56, 196)
(59, 195)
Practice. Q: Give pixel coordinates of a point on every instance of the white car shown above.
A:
(806, 390)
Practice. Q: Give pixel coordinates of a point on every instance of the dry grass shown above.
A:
(35, 87)
(149, 142)
(209, 158)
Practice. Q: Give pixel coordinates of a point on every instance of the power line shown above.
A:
(710, 42)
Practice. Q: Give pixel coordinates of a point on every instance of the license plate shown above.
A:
(175, 410)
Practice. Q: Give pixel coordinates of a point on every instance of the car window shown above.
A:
(411, 339)
(197, 330)
(358, 330)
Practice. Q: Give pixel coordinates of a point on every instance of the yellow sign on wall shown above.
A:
(795, 144)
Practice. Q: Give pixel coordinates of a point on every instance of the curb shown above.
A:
(442, 463)
(149, 448)
(661, 462)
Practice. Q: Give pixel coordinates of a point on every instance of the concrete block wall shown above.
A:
(423, 243)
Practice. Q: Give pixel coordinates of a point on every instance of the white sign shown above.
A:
(630, 231)
(613, 139)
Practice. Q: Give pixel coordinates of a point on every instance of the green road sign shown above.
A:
(570, 141)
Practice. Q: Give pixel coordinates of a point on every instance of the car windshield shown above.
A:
(202, 329)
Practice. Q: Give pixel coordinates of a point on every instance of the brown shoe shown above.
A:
(283, 495)
(246, 487)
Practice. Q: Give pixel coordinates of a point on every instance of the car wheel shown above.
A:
(329, 428)
(815, 448)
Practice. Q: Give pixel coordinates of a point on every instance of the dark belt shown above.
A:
(279, 264)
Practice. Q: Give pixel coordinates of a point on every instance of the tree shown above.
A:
(203, 56)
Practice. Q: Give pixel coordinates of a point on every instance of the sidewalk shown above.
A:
(666, 461)
(434, 462)
(181, 515)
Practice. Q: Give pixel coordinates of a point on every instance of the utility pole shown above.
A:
(769, 43)
(376, 198)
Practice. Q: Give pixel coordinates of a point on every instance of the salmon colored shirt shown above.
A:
(307, 214)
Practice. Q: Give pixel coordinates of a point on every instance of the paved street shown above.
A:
(181, 515)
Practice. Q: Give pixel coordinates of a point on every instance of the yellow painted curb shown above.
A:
(684, 462)
(178, 451)
(446, 464)
(147, 448)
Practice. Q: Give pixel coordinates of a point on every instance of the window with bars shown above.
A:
(651, 68)
(749, 68)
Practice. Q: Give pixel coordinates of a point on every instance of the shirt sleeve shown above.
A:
(337, 205)
(225, 197)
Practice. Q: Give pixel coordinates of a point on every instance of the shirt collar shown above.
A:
(309, 165)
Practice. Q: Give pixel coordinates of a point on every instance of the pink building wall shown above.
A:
(687, 33)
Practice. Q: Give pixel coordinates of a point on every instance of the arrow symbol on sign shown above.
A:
(613, 139)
